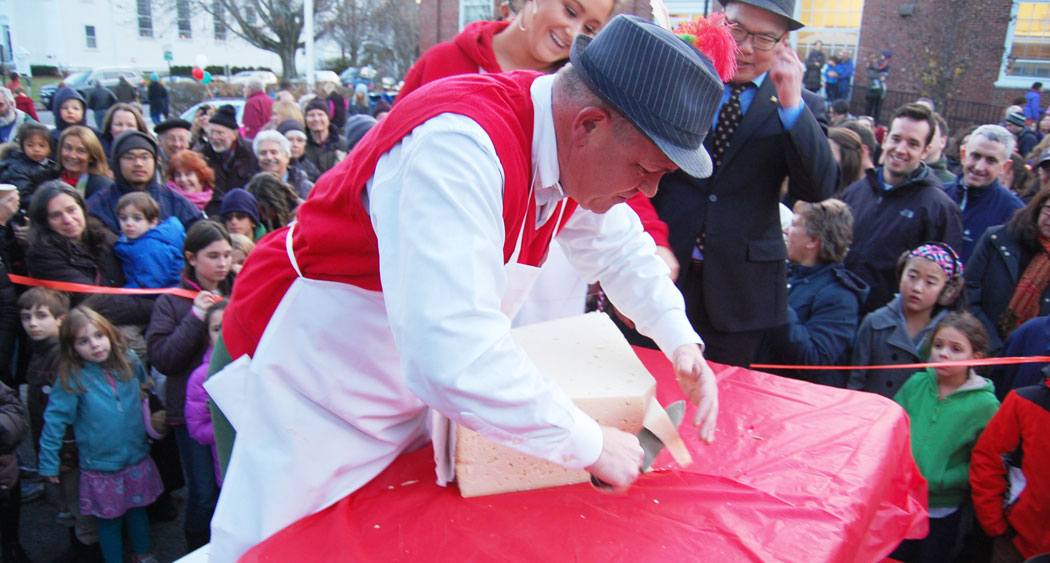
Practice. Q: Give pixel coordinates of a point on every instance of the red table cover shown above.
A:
(798, 473)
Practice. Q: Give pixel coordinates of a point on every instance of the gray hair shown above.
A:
(271, 135)
(8, 96)
(996, 134)
(255, 85)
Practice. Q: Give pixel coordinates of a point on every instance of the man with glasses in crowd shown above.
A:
(725, 230)
(134, 165)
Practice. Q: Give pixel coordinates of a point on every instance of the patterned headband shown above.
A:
(942, 255)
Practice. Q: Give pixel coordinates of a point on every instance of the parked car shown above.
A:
(245, 76)
(353, 76)
(237, 103)
(85, 80)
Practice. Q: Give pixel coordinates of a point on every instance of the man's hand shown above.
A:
(700, 387)
(786, 73)
(620, 460)
(668, 256)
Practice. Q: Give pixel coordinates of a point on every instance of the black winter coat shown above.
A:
(74, 264)
(13, 427)
(24, 173)
(887, 223)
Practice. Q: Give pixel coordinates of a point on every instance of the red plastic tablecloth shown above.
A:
(798, 473)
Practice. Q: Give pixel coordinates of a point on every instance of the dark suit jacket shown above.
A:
(736, 210)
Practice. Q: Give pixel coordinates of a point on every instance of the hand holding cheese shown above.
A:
(700, 387)
(619, 462)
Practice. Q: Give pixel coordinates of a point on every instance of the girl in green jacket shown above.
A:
(948, 408)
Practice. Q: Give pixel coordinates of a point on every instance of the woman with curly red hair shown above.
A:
(190, 176)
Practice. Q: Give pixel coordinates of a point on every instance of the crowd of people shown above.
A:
(852, 246)
(124, 206)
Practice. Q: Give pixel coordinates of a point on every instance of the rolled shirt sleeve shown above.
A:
(436, 202)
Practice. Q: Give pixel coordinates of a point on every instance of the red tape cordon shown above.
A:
(85, 288)
(980, 362)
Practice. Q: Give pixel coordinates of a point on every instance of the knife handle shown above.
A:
(599, 484)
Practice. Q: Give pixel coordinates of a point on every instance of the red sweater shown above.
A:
(1023, 420)
(469, 52)
(333, 238)
(257, 112)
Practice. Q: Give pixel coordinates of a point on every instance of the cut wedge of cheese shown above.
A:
(590, 359)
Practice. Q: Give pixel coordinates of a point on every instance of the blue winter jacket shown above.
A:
(1030, 339)
(104, 204)
(982, 208)
(111, 434)
(155, 258)
(57, 100)
(823, 314)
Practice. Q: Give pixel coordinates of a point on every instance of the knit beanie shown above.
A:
(239, 199)
(129, 140)
(291, 126)
(318, 103)
(380, 107)
(356, 127)
(226, 116)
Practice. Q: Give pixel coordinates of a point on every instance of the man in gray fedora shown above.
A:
(394, 291)
(725, 229)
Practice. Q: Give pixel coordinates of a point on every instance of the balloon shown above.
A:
(198, 73)
(207, 78)
(202, 60)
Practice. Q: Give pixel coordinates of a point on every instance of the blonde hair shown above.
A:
(242, 243)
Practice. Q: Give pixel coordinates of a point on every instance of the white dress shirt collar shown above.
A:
(545, 171)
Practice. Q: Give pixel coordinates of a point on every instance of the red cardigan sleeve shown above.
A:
(650, 220)
(987, 470)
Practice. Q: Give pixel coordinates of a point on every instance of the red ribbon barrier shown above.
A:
(85, 288)
(980, 362)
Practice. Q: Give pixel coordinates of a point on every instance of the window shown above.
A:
(219, 15)
(1027, 54)
(89, 32)
(835, 23)
(145, 10)
(474, 10)
(183, 9)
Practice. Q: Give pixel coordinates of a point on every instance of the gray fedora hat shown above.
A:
(664, 86)
(783, 8)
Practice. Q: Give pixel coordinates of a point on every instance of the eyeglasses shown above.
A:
(760, 41)
(130, 157)
(1045, 210)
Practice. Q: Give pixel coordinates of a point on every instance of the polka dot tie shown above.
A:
(728, 119)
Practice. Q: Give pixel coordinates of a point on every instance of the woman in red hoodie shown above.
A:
(538, 38)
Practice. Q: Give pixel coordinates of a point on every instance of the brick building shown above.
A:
(972, 57)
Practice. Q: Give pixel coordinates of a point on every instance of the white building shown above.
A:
(81, 34)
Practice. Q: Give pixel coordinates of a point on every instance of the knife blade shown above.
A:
(651, 445)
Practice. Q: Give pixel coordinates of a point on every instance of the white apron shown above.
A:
(317, 415)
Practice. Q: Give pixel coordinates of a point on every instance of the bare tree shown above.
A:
(271, 25)
(351, 27)
(383, 33)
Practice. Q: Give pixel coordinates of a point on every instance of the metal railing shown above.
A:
(959, 113)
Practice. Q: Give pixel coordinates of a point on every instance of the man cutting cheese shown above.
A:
(393, 293)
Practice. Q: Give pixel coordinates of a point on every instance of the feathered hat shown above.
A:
(711, 37)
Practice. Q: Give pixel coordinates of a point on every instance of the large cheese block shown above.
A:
(590, 359)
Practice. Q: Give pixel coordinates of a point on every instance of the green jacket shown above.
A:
(943, 432)
(940, 169)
